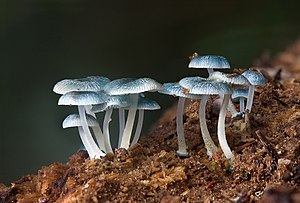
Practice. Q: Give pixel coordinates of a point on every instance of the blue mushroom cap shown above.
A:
(229, 79)
(210, 88)
(82, 98)
(237, 93)
(189, 82)
(91, 83)
(131, 86)
(73, 120)
(254, 77)
(116, 101)
(177, 90)
(147, 104)
(209, 61)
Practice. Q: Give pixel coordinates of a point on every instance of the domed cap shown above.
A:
(147, 104)
(228, 78)
(254, 77)
(237, 93)
(189, 82)
(209, 61)
(210, 88)
(117, 101)
(131, 86)
(73, 120)
(82, 98)
(177, 90)
(91, 83)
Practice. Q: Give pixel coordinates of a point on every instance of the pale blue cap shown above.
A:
(73, 120)
(237, 93)
(131, 86)
(209, 61)
(82, 98)
(114, 101)
(91, 83)
(254, 77)
(228, 78)
(177, 90)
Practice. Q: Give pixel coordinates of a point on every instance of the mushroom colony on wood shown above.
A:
(96, 94)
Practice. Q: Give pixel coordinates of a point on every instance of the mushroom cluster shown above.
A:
(218, 83)
(98, 94)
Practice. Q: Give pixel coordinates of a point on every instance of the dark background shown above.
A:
(45, 41)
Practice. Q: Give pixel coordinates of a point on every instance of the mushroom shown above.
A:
(73, 120)
(81, 99)
(231, 80)
(206, 88)
(255, 78)
(210, 62)
(117, 101)
(240, 95)
(131, 87)
(143, 104)
(176, 90)
(91, 83)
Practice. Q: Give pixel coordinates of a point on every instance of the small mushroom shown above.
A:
(81, 99)
(73, 120)
(131, 87)
(210, 62)
(175, 89)
(255, 78)
(240, 95)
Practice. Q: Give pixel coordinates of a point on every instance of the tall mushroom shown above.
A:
(131, 87)
(210, 62)
(255, 78)
(91, 83)
(237, 80)
(175, 89)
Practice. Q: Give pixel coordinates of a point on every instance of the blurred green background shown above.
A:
(45, 41)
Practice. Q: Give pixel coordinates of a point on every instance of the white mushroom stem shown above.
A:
(221, 128)
(231, 108)
(130, 121)
(138, 127)
(210, 71)
(86, 143)
(242, 104)
(87, 138)
(99, 137)
(96, 129)
(106, 121)
(250, 98)
(209, 143)
(121, 124)
(179, 128)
